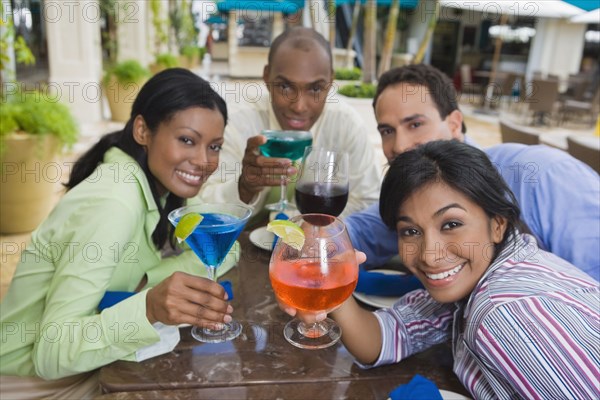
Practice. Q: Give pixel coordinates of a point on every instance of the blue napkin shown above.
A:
(376, 283)
(113, 297)
(419, 388)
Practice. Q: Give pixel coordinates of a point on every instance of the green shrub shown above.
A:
(130, 71)
(348, 74)
(193, 51)
(37, 114)
(8, 123)
(363, 90)
(167, 60)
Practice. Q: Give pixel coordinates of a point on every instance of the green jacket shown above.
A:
(98, 238)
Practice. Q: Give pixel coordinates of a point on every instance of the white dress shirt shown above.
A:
(338, 128)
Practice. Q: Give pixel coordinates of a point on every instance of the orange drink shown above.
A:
(303, 285)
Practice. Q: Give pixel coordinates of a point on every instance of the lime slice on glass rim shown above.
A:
(186, 225)
(290, 233)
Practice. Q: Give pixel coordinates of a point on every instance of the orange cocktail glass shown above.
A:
(317, 278)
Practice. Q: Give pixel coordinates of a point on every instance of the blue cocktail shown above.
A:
(285, 144)
(211, 241)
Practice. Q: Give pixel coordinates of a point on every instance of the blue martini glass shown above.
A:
(211, 241)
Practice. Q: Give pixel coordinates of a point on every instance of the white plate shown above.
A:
(379, 301)
(260, 237)
(448, 395)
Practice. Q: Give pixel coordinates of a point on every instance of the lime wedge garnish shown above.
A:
(290, 233)
(186, 225)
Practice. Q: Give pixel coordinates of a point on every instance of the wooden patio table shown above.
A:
(260, 363)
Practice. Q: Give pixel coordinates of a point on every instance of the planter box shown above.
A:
(120, 98)
(189, 62)
(401, 59)
(30, 179)
(340, 58)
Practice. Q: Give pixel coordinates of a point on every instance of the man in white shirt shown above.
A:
(299, 95)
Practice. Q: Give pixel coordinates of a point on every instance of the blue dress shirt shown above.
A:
(558, 196)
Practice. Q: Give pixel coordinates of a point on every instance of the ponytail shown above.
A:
(87, 163)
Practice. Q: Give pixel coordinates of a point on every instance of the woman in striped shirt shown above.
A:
(523, 322)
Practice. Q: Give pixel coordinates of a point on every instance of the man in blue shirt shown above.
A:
(557, 193)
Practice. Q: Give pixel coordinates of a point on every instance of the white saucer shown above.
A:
(260, 237)
(448, 395)
(379, 301)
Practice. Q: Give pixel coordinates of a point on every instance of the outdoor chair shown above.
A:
(542, 98)
(575, 109)
(518, 134)
(576, 87)
(585, 152)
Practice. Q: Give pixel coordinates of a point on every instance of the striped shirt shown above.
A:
(530, 328)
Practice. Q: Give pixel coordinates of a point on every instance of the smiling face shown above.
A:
(446, 240)
(407, 116)
(184, 151)
(298, 80)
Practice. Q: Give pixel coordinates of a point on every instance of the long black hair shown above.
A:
(462, 167)
(165, 94)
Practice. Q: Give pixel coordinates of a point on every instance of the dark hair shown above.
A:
(300, 38)
(165, 94)
(460, 166)
(440, 87)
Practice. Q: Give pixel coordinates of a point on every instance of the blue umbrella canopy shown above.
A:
(215, 19)
(408, 4)
(292, 6)
(283, 6)
(586, 5)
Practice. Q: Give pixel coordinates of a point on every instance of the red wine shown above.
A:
(323, 198)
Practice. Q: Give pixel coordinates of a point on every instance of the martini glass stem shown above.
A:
(211, 271)
(314, 330)
(283, 195)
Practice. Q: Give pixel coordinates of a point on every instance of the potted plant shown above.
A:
(33, 130)
(191, 56)
(186, 36)
(164, 61)
(361, 91)
(347, 76)
(121, 84)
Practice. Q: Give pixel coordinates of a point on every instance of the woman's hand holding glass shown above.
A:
(188, 299)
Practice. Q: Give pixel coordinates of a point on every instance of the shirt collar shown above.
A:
(132, 170)
(518, 247)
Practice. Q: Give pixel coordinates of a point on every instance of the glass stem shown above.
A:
(283, 196)
(314, 330)
(212, 273)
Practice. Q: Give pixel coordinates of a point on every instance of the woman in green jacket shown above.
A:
(105, 234)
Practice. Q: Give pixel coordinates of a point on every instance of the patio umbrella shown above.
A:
(286, 7)
(590, 17)
(533, 9)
